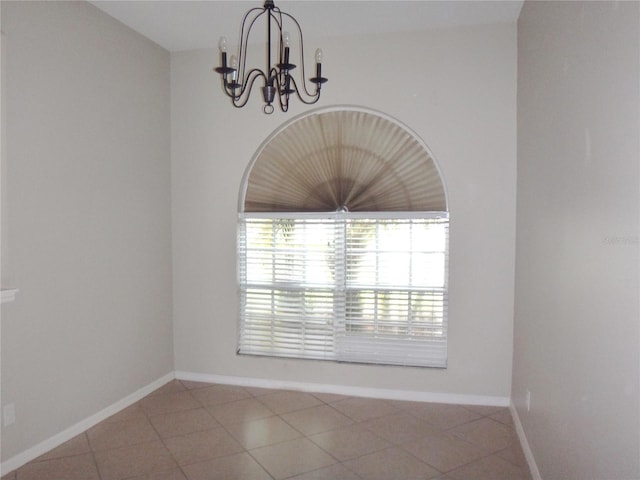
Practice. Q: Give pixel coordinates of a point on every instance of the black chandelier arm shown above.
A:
(231, 91)
(313, 98)
(247, 85)
(283, 98)
(302, 72)
(283, 101)
(244, 39)
(274, 73)
(276, 15)
(283, 95)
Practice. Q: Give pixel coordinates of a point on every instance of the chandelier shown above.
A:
(238, 80)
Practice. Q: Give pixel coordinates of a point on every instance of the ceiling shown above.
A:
(185, 25)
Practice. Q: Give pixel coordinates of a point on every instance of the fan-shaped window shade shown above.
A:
(354, 159)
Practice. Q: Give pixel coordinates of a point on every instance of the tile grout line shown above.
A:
(224, 427)
(93, 455)
(148, 416)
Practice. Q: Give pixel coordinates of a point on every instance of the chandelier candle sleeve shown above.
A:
(234, 72)
(278, 83)
(222, 45)
(319, 64)
(287, 46)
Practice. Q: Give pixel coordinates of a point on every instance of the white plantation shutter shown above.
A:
(287, 290)
(344, 286)
(396, 271)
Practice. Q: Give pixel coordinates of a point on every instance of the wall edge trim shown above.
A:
(58, 439)
(524, 443)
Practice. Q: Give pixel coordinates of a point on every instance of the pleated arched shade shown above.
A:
(344, 159)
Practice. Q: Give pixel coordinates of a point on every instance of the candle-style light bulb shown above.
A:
(319, 55)
(222, 44)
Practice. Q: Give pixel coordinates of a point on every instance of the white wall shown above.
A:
(457, 89)
(577, 334)
(86, 216)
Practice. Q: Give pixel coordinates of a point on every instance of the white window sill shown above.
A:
(9, 294)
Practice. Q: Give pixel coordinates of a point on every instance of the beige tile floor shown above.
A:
(199, 431)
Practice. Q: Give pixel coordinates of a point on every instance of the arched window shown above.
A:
(343, 243)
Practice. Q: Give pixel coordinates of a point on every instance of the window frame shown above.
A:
(348, 348)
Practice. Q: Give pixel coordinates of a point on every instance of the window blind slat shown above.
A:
(370, 290)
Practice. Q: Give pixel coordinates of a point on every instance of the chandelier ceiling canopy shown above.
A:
(284, 44)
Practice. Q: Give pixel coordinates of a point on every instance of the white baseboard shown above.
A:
(535, 473)
(383, 393)
(66, 435)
